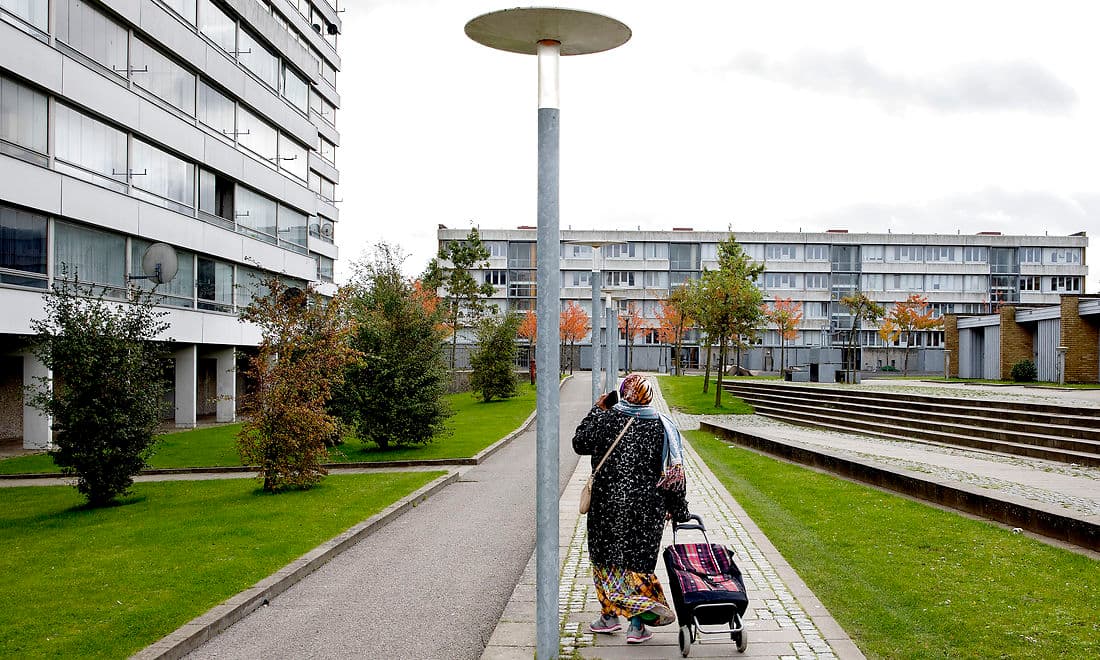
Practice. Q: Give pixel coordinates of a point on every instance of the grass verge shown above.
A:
(907, 580)
(108, 582)
(685, 393)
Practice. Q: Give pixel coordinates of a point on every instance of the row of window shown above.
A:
(102, 154)
(103, 259)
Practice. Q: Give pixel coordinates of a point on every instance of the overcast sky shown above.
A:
(867, 116)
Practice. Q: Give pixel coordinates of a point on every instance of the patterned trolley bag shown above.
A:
(708, 591)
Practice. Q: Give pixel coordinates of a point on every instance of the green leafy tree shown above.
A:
(493, 361)
(301, 358)
(728, 303)
(109, 384)
(862, 309)
(395, 395)
(465, 296)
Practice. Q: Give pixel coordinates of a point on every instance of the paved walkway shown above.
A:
(785, 620)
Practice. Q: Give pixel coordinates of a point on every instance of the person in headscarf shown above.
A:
(639, 486)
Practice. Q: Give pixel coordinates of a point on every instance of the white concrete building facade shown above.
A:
(960, 273)
(208, 125)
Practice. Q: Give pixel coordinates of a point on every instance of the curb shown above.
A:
(194, 633)
(1083, 531)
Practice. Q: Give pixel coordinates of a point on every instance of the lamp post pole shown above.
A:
(547, 33)
(597, 315)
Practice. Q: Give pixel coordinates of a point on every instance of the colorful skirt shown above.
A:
(626, 593)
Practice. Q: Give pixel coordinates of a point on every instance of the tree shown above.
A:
(395, 395)
(861, 308)
(465, 295)
(109, 384)
(302, 356)
(673, 321)
(888, 333)
(786, 315)
(911, 317)
(632, 326)
(727, 302)
(573, 328)
(529, 330)
(493, 361)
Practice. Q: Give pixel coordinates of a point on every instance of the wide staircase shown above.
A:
(1058, 433)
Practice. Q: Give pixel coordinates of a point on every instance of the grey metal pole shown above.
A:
(548, 310)
(609, 349)
(614, 329)
(597, 322)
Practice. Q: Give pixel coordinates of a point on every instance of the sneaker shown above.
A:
(606, 624)
(636, 632)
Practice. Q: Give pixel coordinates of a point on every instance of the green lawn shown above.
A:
(474, 426)
(907, 580)
(108, 582)
(685, 393)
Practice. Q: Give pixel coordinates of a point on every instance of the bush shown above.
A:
(107, 397)
(493, 361)
(889, 367)
(1024, 371)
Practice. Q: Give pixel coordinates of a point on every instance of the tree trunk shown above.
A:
(782, 355)
(905, 360)
(706, 372)
(721, 370)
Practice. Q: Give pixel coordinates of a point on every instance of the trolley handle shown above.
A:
(697, 525)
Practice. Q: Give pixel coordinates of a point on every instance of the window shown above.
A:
(164, 175)
(781, 281)
(257, 136)
(216, 196)
(293, 227)
(325, 268)
(33, 12)
(656, 279)
(292, 157)
(322, 107)
(328, 151)
(817, 281)
(683, 256)
(870, 282)
(975, 283)
(708, 251)
(680, 278)
(256, 215)
(1031, 255)
(500, 248)
(908, 282)
(1030, 283)
(499, 277)
(22, 118)
(327, 189)
(521, 255)
(1064, 256)
(619, 278)
(844, 258)
(939, 253)
(328, 72)
(817, 253)
(94, 147)
(976, 254)
(908, 253)
(214, 285)
(162, 77)
(185, 8)
(249, 285)
(755, 251)
(95, 257)
(22, 247)
(217, 110)
(258, 59)
(1065, 284)
(88, 31)
(815, 309)
(655, 250)
(177, 292)
(295, 89)
(943, 283)
(216, 24)
(621, 250)
(781, 252)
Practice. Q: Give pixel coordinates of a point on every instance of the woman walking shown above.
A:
(640, 485)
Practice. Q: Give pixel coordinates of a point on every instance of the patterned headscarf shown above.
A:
(635, 389)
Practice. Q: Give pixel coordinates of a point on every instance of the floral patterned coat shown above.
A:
(628, 511)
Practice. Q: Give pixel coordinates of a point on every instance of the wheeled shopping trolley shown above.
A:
(708, 591)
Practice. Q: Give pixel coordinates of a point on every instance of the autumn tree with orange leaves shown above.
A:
(573, 328)
(911, 317)
(529, 330)
(888, 333)
(786, 315)
(632, 326)
(673, 321)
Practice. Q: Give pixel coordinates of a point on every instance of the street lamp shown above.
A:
(597, 316)
(547, 33)
(1062, 350)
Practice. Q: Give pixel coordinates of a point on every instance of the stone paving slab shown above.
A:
(784, 619)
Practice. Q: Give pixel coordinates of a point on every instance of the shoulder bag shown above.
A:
(586, 492)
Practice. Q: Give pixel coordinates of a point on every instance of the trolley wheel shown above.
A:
(742, 639)
(685, 641)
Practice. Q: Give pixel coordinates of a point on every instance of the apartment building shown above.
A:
(959, 273)
(207, 125)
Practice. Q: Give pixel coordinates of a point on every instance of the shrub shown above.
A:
(493, 361)
(107, 397)
(1024, 371)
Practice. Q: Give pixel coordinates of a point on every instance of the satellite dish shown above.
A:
(160, 263)
(326, 230)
